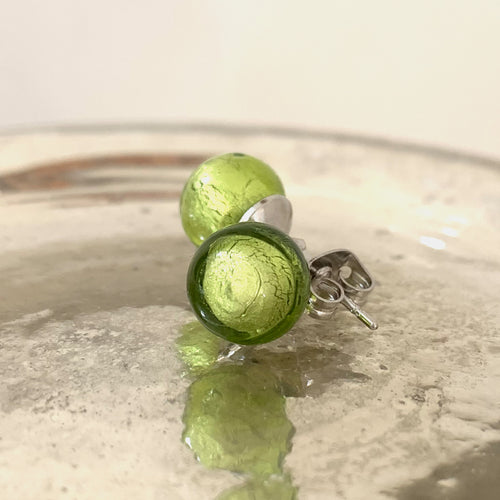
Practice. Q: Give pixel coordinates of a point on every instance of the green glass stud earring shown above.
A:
(232, 188)
(250, 283)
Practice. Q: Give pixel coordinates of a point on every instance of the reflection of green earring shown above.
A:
(249, 283)
(235, 416)
(230, 188)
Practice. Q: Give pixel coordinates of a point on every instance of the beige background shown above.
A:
(427, 71)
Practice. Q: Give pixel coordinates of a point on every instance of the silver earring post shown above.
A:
(337, 277)
(275, 210)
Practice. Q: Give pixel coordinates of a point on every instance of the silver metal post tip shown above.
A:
(363, 316)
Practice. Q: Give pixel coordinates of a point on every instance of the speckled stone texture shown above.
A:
(93, 300)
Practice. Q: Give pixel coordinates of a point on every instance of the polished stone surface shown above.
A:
(93, 261)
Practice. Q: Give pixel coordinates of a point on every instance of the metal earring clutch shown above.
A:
(249, 283)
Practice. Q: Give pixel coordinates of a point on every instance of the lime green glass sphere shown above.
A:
(248, 283)
(221, 190)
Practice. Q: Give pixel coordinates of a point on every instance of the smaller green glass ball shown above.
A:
(248, 283)
(221, 190)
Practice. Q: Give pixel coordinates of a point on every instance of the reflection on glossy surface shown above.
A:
(272, 488)
(235, 417)
(197, 348)
(449, 231)
(235, 412)
(432, 242)
(93, 260)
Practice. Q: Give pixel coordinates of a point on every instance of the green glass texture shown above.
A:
(221, 190)
(275, 488)
(248, 283)
(198, 350)
(235, 419)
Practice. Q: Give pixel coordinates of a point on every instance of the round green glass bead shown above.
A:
(221, 190)
(248, 283)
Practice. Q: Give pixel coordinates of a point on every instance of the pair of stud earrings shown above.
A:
(249, 282)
